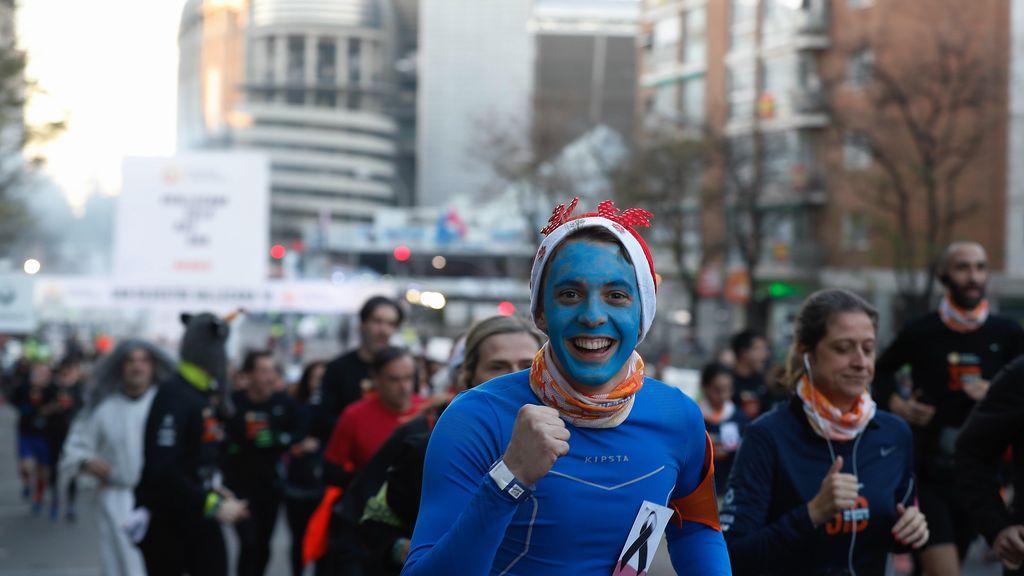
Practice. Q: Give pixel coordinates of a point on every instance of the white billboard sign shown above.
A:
(17, 315)
(194, 219)
(55, 295)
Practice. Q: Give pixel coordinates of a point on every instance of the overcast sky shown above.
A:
(110, 68)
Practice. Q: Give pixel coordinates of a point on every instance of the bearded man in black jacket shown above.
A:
(953, 354)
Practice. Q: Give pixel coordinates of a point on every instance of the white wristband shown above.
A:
(506, 481)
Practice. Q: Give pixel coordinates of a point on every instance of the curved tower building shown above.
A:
(308, 82)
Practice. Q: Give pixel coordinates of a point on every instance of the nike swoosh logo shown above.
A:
(888, 450)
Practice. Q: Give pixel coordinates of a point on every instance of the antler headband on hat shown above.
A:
(621, 225)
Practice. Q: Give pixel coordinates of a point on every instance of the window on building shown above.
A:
(780, 84)
(270, 56)
(326, 73)
(742, 25)
(807, 71)
(805, 172)
(326, 98)
(777, 156)
(784, 19)
(695, 37)
(816, 15)
(665, 48)
(665, 103)
(781, 18)
(692, 228)
(856, 150)
(296, 59)
(858, 68)
(355, 61)
(693, 101)
(809, 97)
(742, 92)
(355, 73)
(856, 231)
(326, 61)
(296, 70)
(779, 238)
(788, 159)
(739, 164)
(694, 180)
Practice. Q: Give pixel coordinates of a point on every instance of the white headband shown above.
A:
(638, 254)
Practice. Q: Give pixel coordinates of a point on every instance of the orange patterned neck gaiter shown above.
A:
(585, 410)
(828, 420)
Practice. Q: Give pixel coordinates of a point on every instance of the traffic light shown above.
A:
(277, 252)
(781, 290)
(402, 253)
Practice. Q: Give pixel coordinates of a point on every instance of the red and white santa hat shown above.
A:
(621, 224)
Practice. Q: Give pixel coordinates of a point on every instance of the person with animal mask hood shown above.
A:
(953, 354)
(180, 502)
(580, 464)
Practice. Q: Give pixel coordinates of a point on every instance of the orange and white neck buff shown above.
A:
(831, 422)
(585, 410)
(712, 416)
(959, 320)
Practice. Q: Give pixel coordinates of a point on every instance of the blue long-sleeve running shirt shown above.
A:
(779, 469)
(580, 513)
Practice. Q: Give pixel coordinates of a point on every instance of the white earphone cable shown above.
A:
(832, 454)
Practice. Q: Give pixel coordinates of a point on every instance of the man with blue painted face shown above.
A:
(580, 464)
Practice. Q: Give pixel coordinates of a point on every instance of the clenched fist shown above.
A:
(914, 411)
(539, 437)
(97, 467)
(976, 389)
(911, 527)
(1009, 546)
(838, 492)
(232, 510)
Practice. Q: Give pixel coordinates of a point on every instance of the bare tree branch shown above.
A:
(15, 137)
(927, 115)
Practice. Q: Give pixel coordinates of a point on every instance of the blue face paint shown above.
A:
(590, 300)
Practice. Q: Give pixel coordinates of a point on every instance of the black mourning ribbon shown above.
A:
(640, 544)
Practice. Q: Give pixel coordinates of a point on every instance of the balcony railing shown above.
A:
(807, 100)
(814, 18)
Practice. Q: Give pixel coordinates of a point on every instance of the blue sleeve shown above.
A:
(695, 548)
(755, 544)
(463, 517)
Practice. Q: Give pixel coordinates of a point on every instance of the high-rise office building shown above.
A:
(585, 70)
(540, 74)
(476, 74)
(311, 83)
